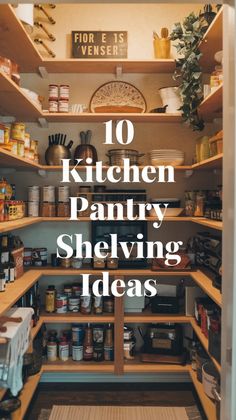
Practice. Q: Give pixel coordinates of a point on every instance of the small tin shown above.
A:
(53, 91)
(73, 304)
(61, 304)
(63, 105)
(77, 334)
(77, 351)
(64, 92)
(53, 105)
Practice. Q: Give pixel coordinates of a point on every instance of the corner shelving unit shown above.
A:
(15, 103)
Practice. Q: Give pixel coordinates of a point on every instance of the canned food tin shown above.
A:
(34, 146)
(85, 304)
(53, 91)
(77, 334)
(53, 106)
(98, 304)
(98, 334)
(61, 304)
(76, 263)
(73, 304)
(52, 351)
(18, 131)
(13, 144)
(33, 193)
(49, 193)
(33, 208)
(77, 352)
(64, 92)
(6, 135)
(63, 105)
(63, 194)
(27, 140)
(76, 290)
(68, 291)
(63, 351)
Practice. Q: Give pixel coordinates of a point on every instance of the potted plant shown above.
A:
(188, 69)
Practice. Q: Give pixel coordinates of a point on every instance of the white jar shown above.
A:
(49, 194)
(53, 106)
(33, 208)
(170, 96)
(33, 193)
(63, 194)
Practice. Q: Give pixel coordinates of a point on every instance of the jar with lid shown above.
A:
(76, 262)
(52, 351)
(53, 91)
(98, 304)
(63, 349)
(50, 302)
(63, 210)
(48, 209)
(68, 290)
(18, 131)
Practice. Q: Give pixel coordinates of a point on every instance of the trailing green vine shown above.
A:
(189, 34)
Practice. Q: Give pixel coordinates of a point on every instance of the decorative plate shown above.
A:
(117, 97)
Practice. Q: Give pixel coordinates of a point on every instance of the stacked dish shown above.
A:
(166, 157)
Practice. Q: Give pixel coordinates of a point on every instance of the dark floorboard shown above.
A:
(47, 395)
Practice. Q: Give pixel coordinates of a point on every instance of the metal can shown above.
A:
(68, 291)
(63, 350)
(73, 304)
(63, 105)
(27, 256)
(77, 334)
(61, 304)
(33, 193)
(85, 304)
(63, 194)
(52, 351)
(27, 140)
(18, 131)
(33, 208)
(97, 304)
(76, 290)
(64, 92)
(34, 146)
(77, 351)
(49, 193)
(50, 300)
(53, 91)
(53, 105)
(76, 263)
(108, 305)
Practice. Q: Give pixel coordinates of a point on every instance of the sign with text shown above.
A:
(99, 44)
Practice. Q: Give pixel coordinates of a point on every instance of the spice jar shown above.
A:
(50, 302)
(85, 304)
(76, 262)
(63, 350)
(200, 202)
(98, 304)
(52, 351)
(108, 304)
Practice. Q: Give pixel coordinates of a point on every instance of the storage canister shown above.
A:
(73, 304)
(76, 290)
(18, 131)
(77, 352)
(63, 194)
(49, 193)
(61, 304)
(53, 105)
(53, 91)
(33, 193)
(64, 92)
(210, 378)
(63, 105)
(77, 334)
(13, 144)
(21, 148)
(33, 209)
(63, 350)
(85, 304)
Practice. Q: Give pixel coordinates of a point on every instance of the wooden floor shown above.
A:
(173, 395)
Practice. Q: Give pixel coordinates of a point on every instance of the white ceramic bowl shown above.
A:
(170, 212)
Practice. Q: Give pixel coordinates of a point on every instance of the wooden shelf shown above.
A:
(205, 284)
(26, 395)
(35, 330)
(214, 162)
(211, 106)
(76, 317)
(207, 403)
(101, 117)
(18, 224)
(212, 42)
(17, 289)
(8, 160)
(108, 66)
(136, 366)
(213, 224)
(148, 317)
(204, 342)
(15, 103)
(13, 34)
(81, 366)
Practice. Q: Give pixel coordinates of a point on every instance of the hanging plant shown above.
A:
(188, 69)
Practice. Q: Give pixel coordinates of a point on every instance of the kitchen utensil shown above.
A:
(117, 97)
(41, 42)
(116, 156)
(86, 150)
(55, 152)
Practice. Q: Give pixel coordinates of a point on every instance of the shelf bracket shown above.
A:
(43, 72)
(188, 173)
(43, 122)
(119, 72)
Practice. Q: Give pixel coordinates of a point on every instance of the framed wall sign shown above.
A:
(99, 44)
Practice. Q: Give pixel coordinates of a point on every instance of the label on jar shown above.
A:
(63, 106)
(64, 92)
(77, 352)
(108, 353)
(73, 304)
(88, 352)
(61, 304)
(85, 304)
(77, 335)
(53, 92)
(53, 106)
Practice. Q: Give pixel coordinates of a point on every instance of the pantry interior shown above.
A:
(151, 131)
